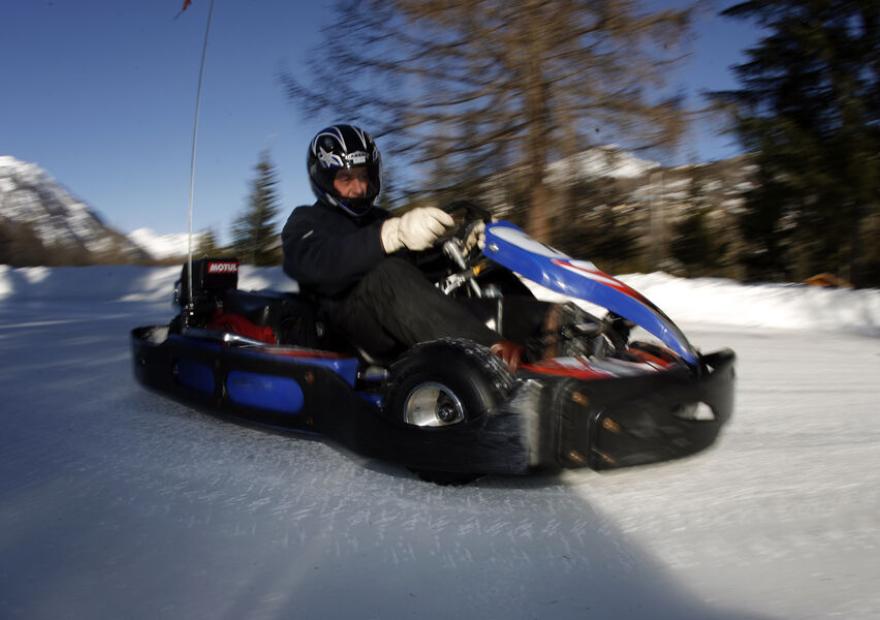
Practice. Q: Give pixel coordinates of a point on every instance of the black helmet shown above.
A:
(344, 146)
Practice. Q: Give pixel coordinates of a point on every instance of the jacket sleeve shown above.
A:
(324, 259)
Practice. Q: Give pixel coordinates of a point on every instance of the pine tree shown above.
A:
(694, 244)
(605, 231)
(809, 108)
(207, 246)
(254, 235)
(482, 86)
(20, 245)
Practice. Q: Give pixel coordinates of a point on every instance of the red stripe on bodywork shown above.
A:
(604, 278)
(307, 353)
(552, 367)
(237, 324)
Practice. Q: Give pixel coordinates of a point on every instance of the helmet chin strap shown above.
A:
(348, 208)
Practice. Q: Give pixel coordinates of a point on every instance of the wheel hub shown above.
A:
(432, 404)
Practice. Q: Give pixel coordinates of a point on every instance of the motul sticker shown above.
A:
(222, 267)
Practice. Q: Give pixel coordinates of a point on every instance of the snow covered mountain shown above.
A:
(31, 200)
(598, 162)
(643, 183)
(604, 190)
(161, 247)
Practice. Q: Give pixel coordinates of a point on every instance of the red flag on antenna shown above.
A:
(186, 4)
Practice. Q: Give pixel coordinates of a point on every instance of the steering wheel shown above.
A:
(472, 214)
(453, 243)
(500, 281)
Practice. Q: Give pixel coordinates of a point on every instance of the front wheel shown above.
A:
(446, 382)
(442, 384)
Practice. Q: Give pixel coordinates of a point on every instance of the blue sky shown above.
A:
(101, 94)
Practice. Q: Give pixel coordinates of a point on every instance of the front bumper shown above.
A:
(633, 420)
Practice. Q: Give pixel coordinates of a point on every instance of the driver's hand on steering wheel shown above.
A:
(476, 237)
(415, 230)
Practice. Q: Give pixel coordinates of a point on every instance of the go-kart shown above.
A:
(449, 408)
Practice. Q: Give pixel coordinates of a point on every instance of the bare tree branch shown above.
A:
(471, 87)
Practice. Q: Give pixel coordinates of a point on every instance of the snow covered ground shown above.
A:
(117, 503)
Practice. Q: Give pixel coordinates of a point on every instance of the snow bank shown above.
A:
(704, 300)
(115, 283)
(726, 302)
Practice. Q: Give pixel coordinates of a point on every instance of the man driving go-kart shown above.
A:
(357, 259)
(388, 346)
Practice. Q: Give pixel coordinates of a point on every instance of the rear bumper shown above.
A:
(634, 420)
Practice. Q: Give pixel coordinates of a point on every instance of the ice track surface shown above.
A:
(117, 503)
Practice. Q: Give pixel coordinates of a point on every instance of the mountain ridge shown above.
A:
(35, 205)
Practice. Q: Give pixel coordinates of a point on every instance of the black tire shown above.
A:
(459, 370)
(455, 371)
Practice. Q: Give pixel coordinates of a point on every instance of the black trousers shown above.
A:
(395, 306)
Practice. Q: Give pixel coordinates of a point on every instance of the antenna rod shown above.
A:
(192, 166)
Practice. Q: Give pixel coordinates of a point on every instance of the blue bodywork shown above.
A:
(195, 375)
(345, 367)
(510, 247)
(271, 392)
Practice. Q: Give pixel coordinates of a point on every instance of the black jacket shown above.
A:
(328, 251)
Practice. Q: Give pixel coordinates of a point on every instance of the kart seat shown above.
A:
(260, 309)
(290, 316)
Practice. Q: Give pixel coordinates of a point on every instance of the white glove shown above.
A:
(476, 237)
(415, 230)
